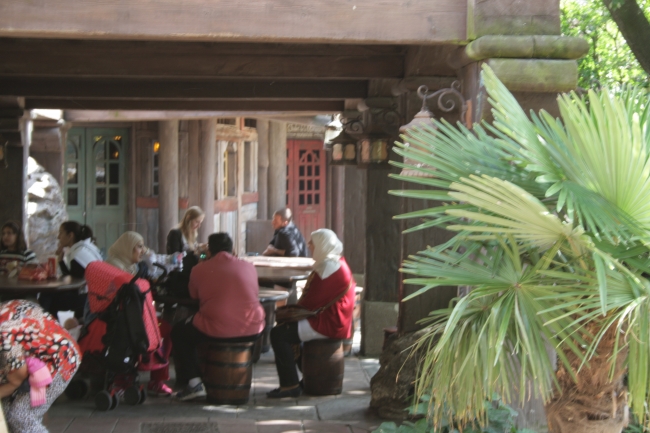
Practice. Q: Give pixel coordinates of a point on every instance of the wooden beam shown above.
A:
(142, 115)
(168, 59)
(182, 89)
(363, 21)
(158, 104)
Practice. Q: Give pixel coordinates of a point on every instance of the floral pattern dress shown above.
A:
(26, 330)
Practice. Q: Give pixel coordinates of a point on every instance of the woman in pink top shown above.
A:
(229, 310)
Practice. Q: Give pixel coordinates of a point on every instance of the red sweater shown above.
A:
(227, 290)
(335, 321)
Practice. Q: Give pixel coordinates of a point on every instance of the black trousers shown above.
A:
(185, 340)
(283, 339)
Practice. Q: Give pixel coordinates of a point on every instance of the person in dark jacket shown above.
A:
(287, 240)
(183, 238)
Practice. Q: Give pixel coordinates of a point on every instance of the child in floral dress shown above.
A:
(31, 337)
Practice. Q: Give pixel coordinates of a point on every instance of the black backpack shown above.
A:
(126, 337)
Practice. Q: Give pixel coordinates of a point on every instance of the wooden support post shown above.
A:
(194, 163)
(240, 247)
(168, 183)
(263, 169)
(277, 166)
(208, 156)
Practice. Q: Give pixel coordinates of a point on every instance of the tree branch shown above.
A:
(634, 26)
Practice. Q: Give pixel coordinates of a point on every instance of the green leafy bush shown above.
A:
(500, 419)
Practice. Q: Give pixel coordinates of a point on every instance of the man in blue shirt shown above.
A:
(287, 240)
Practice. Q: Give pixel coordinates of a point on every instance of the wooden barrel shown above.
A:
(227, 370)
(322, 367)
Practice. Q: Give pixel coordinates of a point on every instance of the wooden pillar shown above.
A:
(263, 169)
(168, 180)
(277, 166)
(208, 156)
(183, 163)
(194, 163)
(240, 247)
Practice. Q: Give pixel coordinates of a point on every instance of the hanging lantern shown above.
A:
(373, 149)
(343, 149)
(423, 118)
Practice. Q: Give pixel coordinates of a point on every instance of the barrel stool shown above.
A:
(227, 371)
(323, 364)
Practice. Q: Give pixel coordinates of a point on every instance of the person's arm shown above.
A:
(29, 256)
(192, 287)
(174, 241)
(76, 270)
(14, 379)
(283, 245)
(64, 269)
(272, 251)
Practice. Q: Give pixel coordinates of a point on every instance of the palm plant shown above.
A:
(553, 233)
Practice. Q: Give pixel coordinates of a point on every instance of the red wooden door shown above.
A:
(306, 184)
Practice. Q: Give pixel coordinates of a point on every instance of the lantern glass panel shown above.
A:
(350, 153)
(364, 150)
(337, 152)
(379, 150)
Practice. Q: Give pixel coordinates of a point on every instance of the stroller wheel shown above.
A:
(104, 401)
(132, 395)
(143, 395)
(115, 401)
(77, 389)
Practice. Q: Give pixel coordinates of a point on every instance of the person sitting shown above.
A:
(229, 310)
(183, 238)
(287, 240)
(13, 247)
(126, 254)
(38, 358)
(78, 240)
(330, 283)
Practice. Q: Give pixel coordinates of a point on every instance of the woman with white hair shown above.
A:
(330, 287)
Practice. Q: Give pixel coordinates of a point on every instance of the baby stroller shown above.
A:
(121, 340)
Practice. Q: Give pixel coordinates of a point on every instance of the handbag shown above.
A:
(296, 313)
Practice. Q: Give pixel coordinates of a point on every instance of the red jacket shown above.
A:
(335, 321)
(227, 290)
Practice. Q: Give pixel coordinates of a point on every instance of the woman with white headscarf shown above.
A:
(330, 285)
(127, 254)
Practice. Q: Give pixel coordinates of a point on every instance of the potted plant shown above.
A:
(553, 229)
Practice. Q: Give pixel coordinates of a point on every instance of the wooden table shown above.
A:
(267, 276)
(268, 298)
(302, 263)
(16, 288)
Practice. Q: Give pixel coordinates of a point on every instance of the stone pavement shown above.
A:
(345, 413)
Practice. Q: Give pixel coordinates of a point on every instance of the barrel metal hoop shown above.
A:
(232, 387)
(229, 364)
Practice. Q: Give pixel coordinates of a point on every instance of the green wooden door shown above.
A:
(94, 185)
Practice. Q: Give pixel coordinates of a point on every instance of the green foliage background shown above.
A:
(610, 62)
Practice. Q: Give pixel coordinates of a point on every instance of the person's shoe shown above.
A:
(191, 393)
(158, 388)
(280, 393)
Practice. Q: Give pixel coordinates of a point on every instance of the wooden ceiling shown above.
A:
(204, 76)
